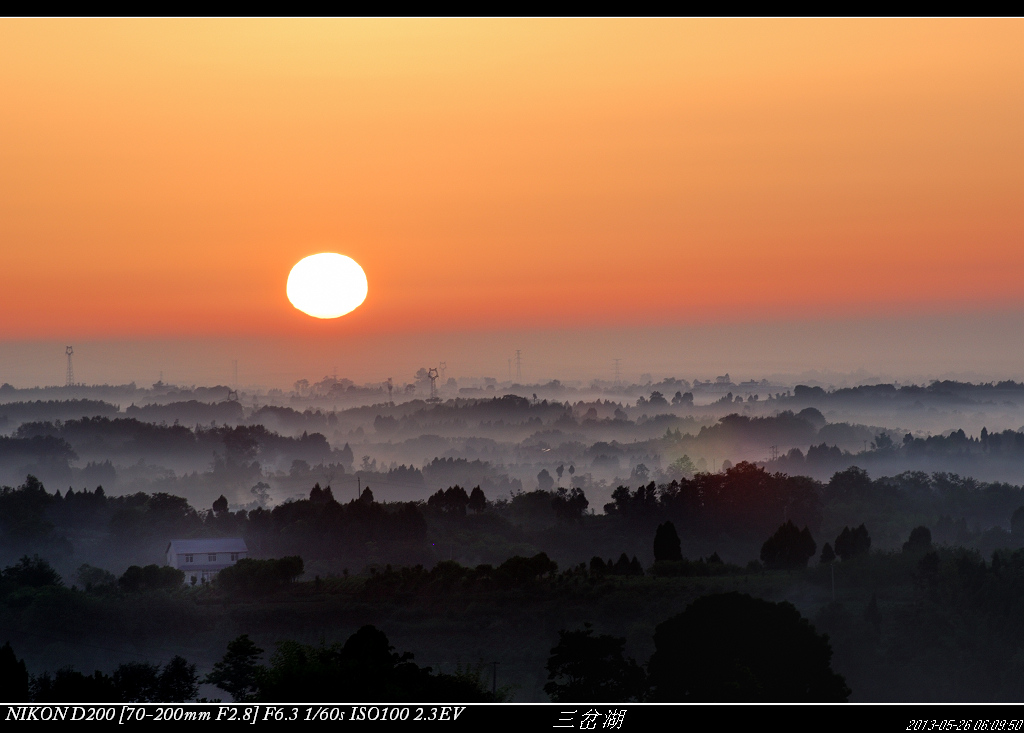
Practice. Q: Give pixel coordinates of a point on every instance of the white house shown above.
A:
(204, 558)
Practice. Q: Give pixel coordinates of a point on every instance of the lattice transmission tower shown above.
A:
(71, 372)
(433, 374)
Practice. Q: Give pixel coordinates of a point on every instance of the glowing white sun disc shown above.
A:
(327, 285)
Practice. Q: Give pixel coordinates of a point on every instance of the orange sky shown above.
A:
(160, 177)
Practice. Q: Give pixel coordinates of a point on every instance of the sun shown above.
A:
(327, 285)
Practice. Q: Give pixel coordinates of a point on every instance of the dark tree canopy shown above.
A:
(788, 548)
(852, 543)
(1017, 522)
(477, 500)
(587, 668)
(179, 681)
(666, 544)
(258, 577)
(828, 555)
(31, 572)
(13, 676)
(570, 505)
(151, 577)
(544, 480)
(69, 685)
(731, 647)
(237, 672)
(452, 500)
(138, 681)
(365, 667)
(920, 540)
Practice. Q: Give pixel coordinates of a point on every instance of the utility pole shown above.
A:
(519, 366)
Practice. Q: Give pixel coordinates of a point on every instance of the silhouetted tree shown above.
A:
(249, 576)
(477, 500)
(681, 468)
(92, 578)
(733, 648)
(320, 496)
(622, 565)
(569, 505)
(852, 543)
(587, 668)
(31, 572)
(365, 667)
(667, 547)
(137, 681)
(221, 505)
(920, 540)
(683, 398)
(640, 473)
(151, 577)
(453, 500)
(788, 548)
(853, 482)
(544, 480)
(518, 570)
(178, 681)
(14, 678)
(657, 399)
(883, 442)
(346, 458)
(1017, 523)
(69, 685)
(237, 673)
(828, 555)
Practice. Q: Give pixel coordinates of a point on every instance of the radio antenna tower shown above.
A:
(71, 372)
(433, 374)
(519, 366)
(390, 384)
(442, 366)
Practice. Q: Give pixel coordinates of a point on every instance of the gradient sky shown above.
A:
(158, 178)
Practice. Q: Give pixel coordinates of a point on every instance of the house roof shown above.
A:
(208, 544)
